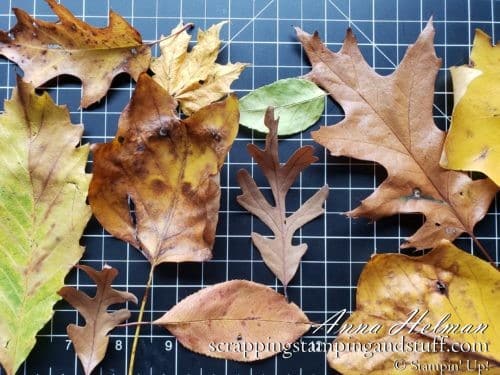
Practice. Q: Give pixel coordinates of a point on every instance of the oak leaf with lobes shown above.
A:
(91, 341)
(45, 50)
(444, 305)
(169, 168)
(280, 255)
(193, 78)
(388, 119)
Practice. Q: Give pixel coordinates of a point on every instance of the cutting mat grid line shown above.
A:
(259, 32)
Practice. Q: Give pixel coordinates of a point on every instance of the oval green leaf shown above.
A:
(298, 104)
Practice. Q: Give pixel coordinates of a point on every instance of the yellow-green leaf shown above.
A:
(193, 78)
(43, 188)
(298, 103)
(473, 142)
(447, 296)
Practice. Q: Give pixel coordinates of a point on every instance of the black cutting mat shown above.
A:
(260, 32)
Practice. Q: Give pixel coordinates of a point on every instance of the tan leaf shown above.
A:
(233, 315)
(388, 119)
(45, 50)
(43, 211)
(193, 78)
(169, 168)
(278, 253)
(444, 297)
(91, 340)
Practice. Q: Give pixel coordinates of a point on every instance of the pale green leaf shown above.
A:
(298, 104)
(43, 189)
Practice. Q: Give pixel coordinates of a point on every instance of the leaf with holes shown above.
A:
(193, 78)
(280, 255)
(45, 50)
(443, 300)
(234, 320)
(473, 142)
(43, 191)
(91, 340)
(388, 119)
(169, 168)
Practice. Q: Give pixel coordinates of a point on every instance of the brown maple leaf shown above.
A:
(388, 119)
(45, 50)
(91, 341)
(169, 168)
(280, 255)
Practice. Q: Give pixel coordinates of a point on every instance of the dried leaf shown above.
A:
(43, 189)
(91, 340)
(393, 287)
(389, 120)
(278, 253)
(473, 142)
(169, 168)
(239, 313)
(45, 50)
(193, 78)
(298, 103)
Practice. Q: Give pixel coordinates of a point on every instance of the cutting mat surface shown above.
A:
(259, 32)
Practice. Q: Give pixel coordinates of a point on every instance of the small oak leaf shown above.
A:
(91, 341)
(280, 255)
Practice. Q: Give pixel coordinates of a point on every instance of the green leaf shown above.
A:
(43, 190)
(298, 104)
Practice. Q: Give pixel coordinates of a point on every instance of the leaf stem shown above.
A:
(187, 26)
(140, 322)
(483, 249)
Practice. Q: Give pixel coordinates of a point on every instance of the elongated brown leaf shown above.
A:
(388, 119)
(435, 304)
(91, 340)
(227, 320)
(45, 50)
(278, 253)
(169, 168)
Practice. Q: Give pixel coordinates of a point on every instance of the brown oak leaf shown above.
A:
(91, 341)
(280, 255)
(388, 119)
(218, 320)
(45, 50)
(169, 168)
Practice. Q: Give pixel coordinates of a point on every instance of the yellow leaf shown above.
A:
(45, 50)
(473, 142)
(447, 297)
(193, 78)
